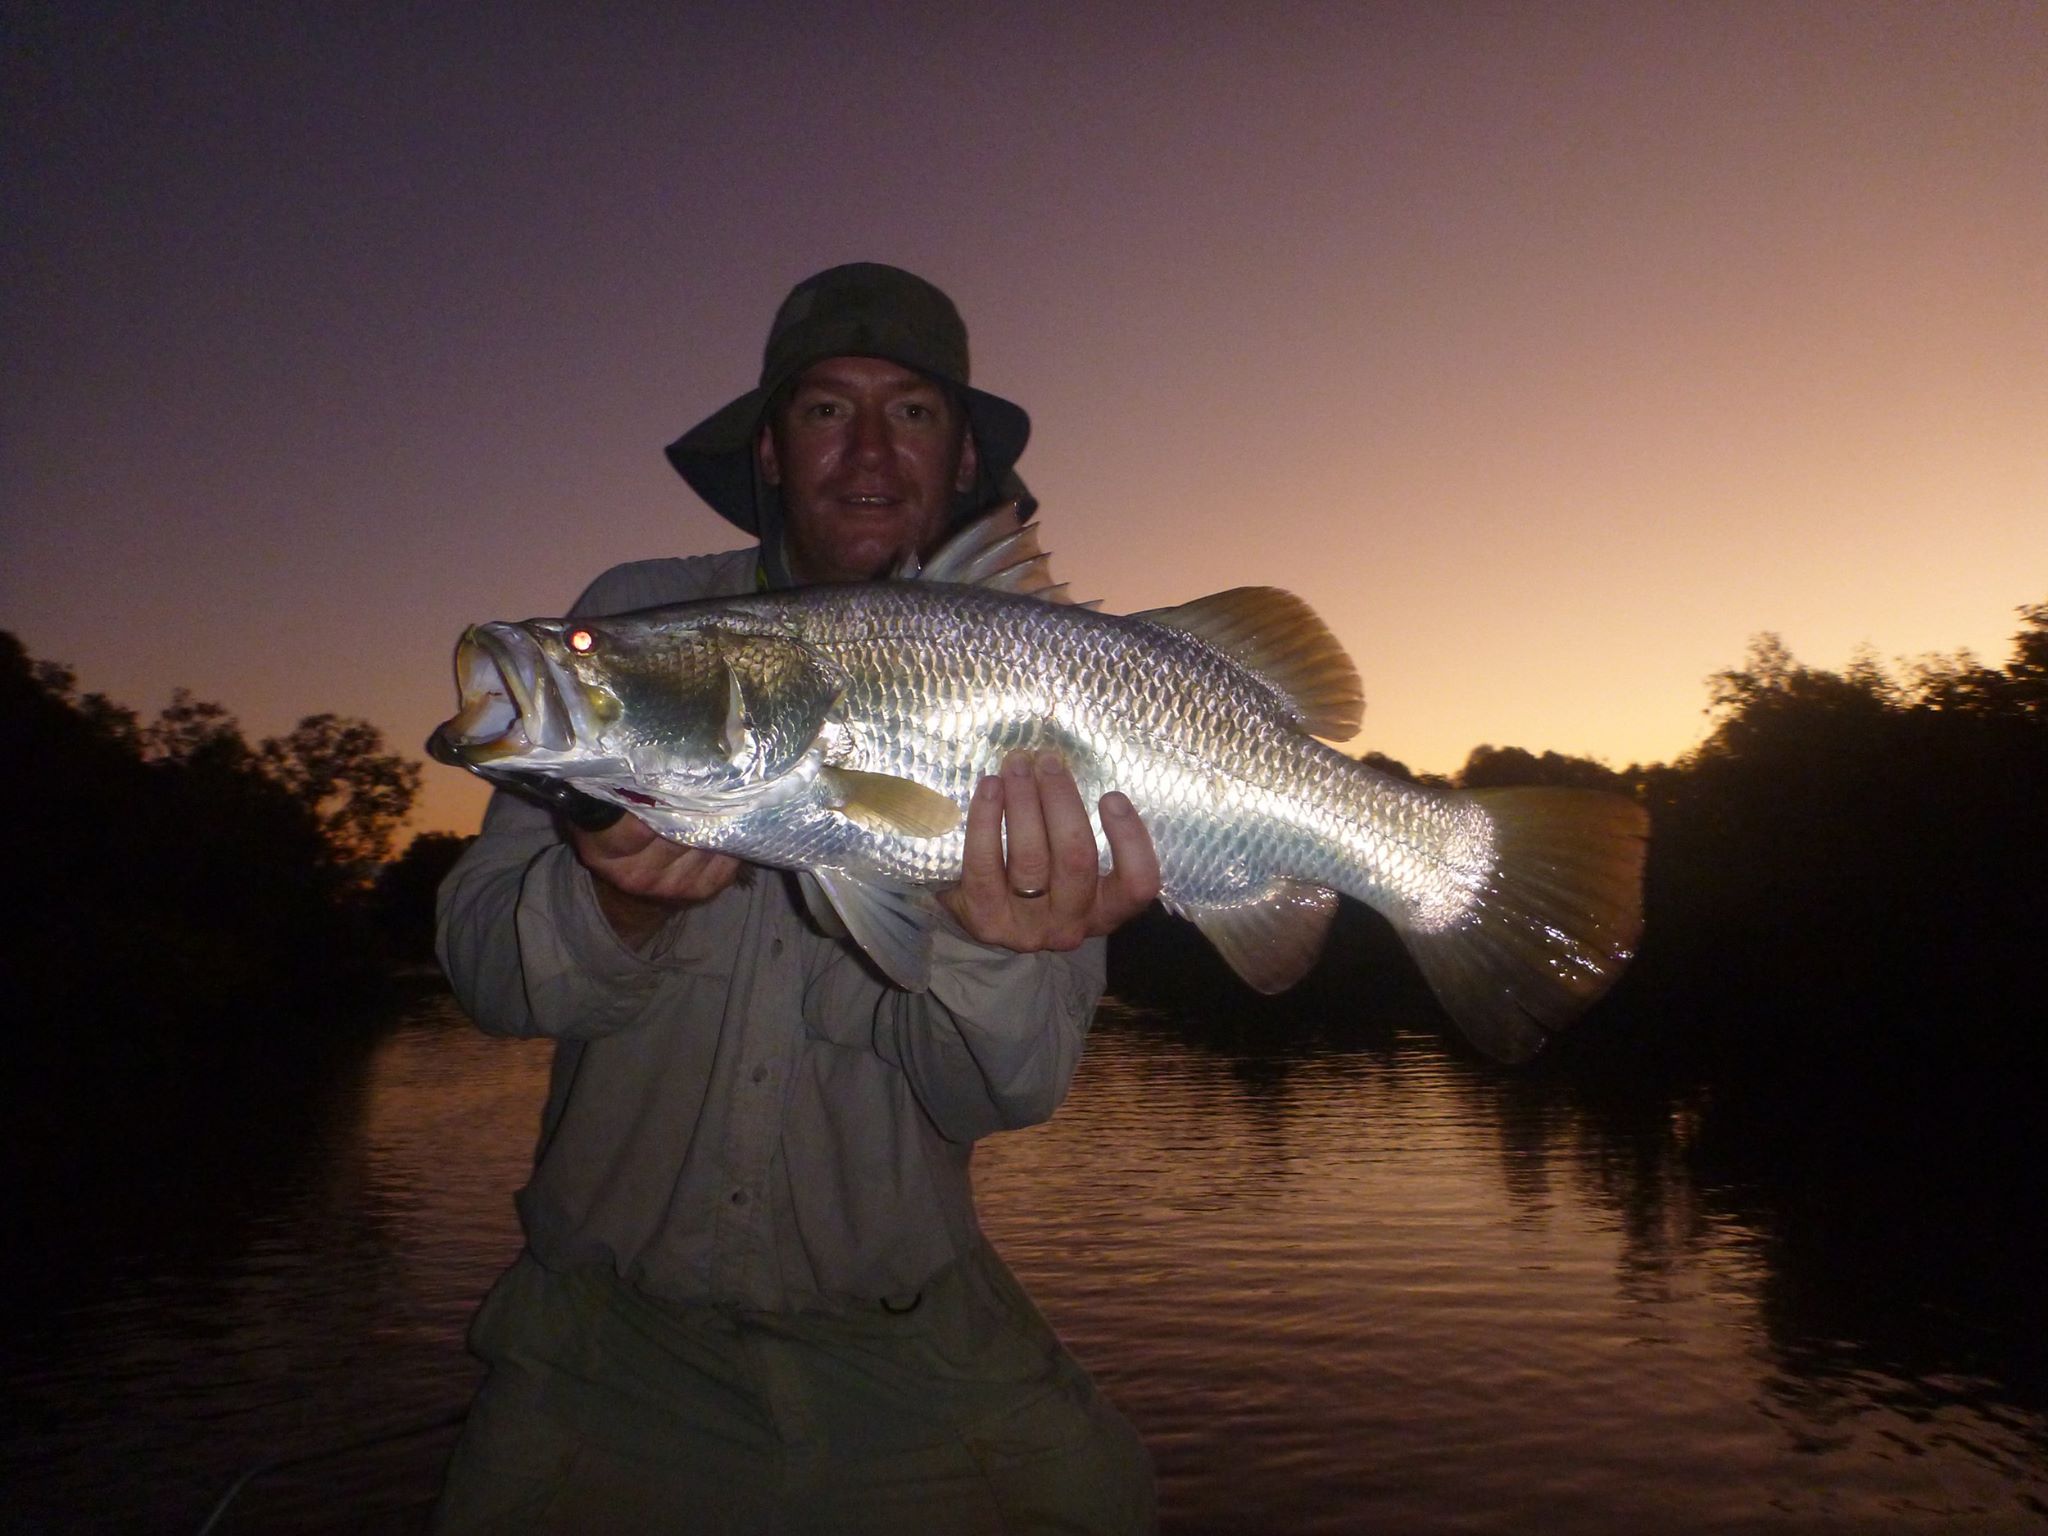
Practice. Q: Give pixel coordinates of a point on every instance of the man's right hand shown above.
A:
(642, 877)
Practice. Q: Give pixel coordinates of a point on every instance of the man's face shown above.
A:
(869, 456)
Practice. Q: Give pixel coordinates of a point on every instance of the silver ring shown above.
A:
(1031, 895)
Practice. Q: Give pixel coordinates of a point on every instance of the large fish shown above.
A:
(840, 730)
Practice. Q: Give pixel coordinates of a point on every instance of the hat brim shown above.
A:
(716, 457)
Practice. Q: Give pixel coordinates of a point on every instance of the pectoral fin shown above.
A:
(1271, 941)
(887, 803)
(894, 927)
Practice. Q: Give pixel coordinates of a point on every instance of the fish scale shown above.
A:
(842, 730)
(1233, 795)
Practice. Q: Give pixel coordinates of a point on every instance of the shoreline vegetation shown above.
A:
(1845, 876)
(204, 924)
(1851, 861)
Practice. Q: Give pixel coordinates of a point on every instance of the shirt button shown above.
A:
(760, 1074)
(775, 948)
(739, 1197)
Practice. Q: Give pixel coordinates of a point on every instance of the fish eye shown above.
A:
(581, 641)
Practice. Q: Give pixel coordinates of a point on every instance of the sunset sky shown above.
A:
(1550, 351)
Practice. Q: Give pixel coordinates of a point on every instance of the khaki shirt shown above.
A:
(745, 1113)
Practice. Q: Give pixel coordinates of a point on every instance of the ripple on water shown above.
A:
(1337, 1290)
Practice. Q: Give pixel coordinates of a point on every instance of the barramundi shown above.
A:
(840, 731)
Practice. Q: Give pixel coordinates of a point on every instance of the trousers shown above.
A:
(957, 1414)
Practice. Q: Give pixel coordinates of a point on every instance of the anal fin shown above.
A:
(1271, 940)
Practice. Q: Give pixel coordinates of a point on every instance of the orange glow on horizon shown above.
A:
(1548, 353)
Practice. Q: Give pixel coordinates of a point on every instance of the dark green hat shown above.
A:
(863, 309)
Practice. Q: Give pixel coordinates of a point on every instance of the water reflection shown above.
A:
(1392, 1290)
(292, 1270)
(1339, 1283)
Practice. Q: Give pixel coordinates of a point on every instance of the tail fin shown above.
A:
(1552, 928)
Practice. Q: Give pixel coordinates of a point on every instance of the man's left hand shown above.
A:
(1048, 892)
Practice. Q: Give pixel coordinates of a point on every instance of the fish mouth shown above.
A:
(519, 706)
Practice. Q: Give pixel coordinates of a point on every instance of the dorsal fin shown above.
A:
(1279, 637)
(996, 551)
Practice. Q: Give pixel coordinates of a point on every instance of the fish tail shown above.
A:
(1551, 928)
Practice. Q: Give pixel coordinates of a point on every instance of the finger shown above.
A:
(699, 875)
(653, 867)
(1133, 881)
(981, 902)
(623, 838)
(1070, 841)
(981, 853)
(1026, 863)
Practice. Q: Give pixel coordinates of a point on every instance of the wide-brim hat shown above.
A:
(863, 309)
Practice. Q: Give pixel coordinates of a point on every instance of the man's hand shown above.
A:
(1049, 894)
(641, 877)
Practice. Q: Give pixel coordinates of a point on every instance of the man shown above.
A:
(755, 1296)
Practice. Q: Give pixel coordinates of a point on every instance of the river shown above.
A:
(1339, 1288)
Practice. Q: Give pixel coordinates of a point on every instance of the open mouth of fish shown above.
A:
(519, 705)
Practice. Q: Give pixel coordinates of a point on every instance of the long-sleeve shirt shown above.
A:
(743, 1112)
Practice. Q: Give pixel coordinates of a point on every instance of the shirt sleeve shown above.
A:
(991, 1046)
(519, 933)
(526, 948)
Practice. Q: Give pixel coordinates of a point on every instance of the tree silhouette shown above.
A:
(1504, 767)
(1846, 869)
(189, 891)
(406, 887)
(193, 732)
(358, 793)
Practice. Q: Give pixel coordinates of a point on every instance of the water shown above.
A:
(1337, 1289)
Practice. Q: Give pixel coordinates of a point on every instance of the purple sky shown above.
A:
(1549, 351)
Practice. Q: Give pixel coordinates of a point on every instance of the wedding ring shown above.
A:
(1031, 895)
